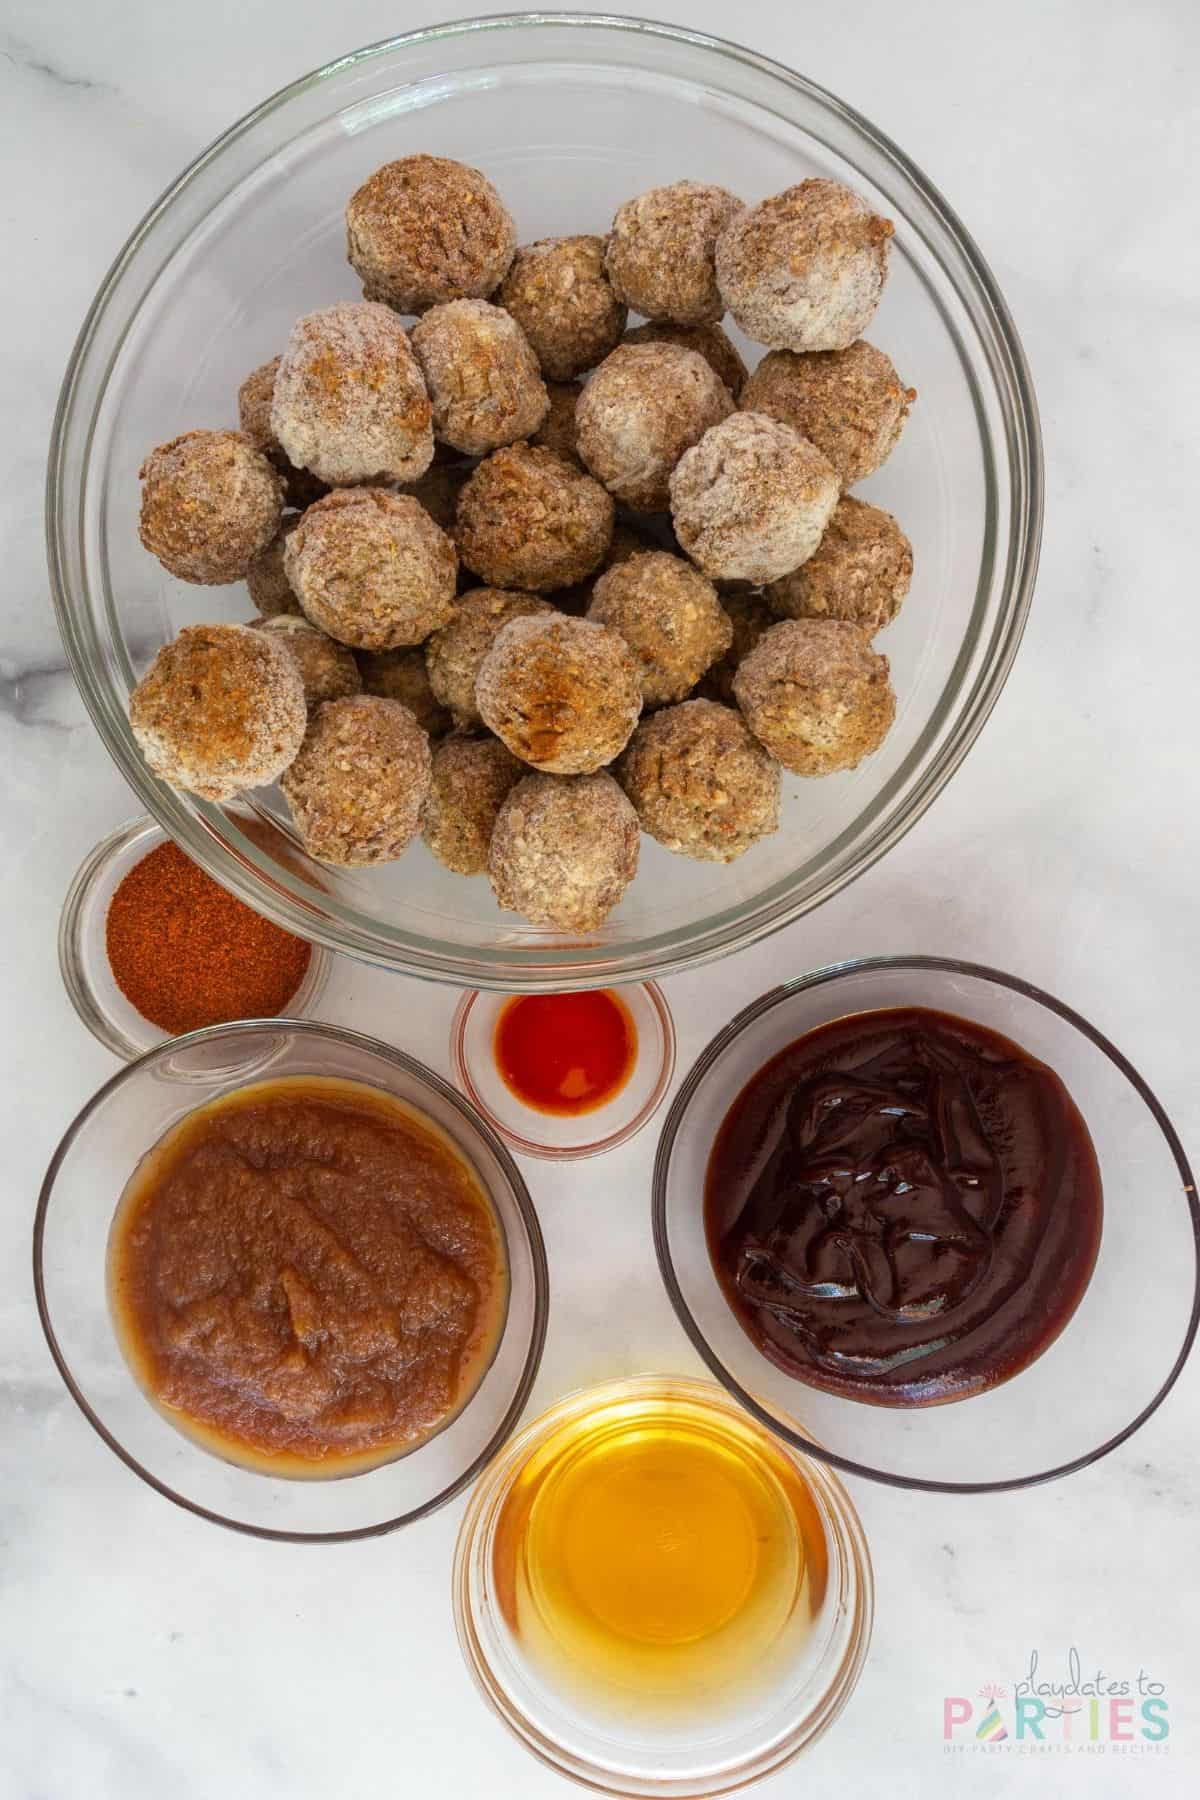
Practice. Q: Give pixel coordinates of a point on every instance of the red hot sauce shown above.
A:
(565, 1053)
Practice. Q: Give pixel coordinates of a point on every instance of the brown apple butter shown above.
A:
(903, 1207)
(307, 1276)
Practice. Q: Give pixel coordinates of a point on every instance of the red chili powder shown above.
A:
(186, 954)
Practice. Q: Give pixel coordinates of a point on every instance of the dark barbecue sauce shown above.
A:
(903, 1207)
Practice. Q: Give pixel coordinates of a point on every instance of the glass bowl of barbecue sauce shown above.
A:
(926, 1222)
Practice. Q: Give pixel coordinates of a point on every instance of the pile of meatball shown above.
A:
(530, 582)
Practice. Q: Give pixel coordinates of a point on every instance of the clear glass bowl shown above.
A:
(252, 234)
(83, 1183)
(83, 955)
(547, 1135)
(740, 1743)
(1116, 1359)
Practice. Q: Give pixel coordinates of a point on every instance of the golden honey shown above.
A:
(659, 1554)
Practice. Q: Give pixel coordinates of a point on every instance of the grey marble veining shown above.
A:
(143, 1652)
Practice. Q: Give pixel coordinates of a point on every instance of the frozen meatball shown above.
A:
(454, 655)
(660, 251)
(805, 269)
(816, 695)
(438, 491)
(357, 788)
(211, 503)
(558, 293)
(557, 430)
(266, 578)
(255, 396)
(625, 543)
(219, 710)
(349, 401)
(644, 406)
(752, 499)
(669, 615)
(860, 573)
(328, 670)
(709, 341)
(749, 617)
(563, 851)
(563, 694)
(700, 782)
(427, 229)
(484, 383)
(402, 675)
(850, 403)
(528, 519)
(472, 778)
(372, 569)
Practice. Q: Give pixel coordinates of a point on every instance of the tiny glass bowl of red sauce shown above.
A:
(565, 1075)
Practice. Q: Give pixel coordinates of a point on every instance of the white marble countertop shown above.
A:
(144, 1653)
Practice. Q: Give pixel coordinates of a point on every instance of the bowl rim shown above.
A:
(830, 975)
(312, 1028)
(538, 966)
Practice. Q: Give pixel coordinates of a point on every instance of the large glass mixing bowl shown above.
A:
(569, 114)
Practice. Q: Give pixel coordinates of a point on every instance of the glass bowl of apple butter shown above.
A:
(926, 1222)
(293, 1279)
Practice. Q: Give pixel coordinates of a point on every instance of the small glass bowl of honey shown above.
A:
(658, 1597)
(565, 1075)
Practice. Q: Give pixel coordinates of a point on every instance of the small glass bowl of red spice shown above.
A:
(565, 1075)
(151, 947)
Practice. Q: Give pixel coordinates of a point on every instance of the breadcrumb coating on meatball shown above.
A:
(402, 675)
(564, 694)
(557, 430)
(455, 654)
(564, 850)
(700, 782)
(559, 294)
(850, 403)
(427, 229)
(642, 408)
(211, 503)
(528, 519)
(860, 573)
(357, 788)
(660, 251)
(482, 376)
(472, 778)
(372, 569)
(219, 710)
(255, 396)
(749, 617)
(669, 615)
(805, 269)
(349, 401)
(709, 341)
(327, 669)
(751, 500)
(266, 577)
(816, 695)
